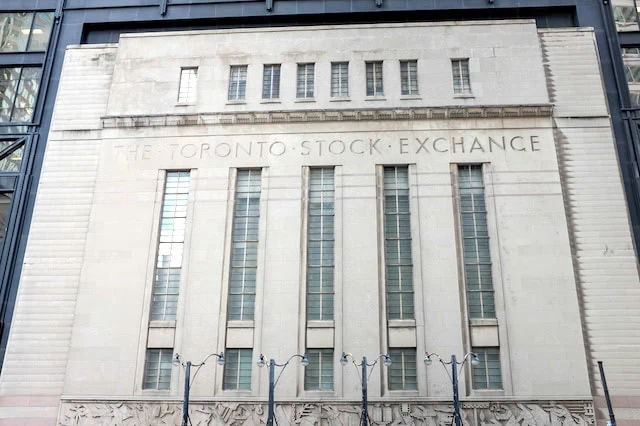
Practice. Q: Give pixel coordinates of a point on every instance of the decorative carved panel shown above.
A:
(413, 413)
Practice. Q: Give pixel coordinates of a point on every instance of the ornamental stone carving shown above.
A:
(412, 413)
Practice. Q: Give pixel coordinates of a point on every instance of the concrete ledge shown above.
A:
(369, 114)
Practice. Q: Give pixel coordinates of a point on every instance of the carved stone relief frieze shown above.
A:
(411, 413)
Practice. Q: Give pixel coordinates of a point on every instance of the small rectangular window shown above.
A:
(237, 82)
(374, 79)
(320, 244)
(318, 375)
(188, 85)
(461, 79)
(271, 81)
(339, 79)
(487, 374)
(402, 372)
(18, 93)
(397, 243)
(166, 282)
(305, 80)
(475, 243)
(244, 246)
(409, 77)
(157, 369)
(237, 369)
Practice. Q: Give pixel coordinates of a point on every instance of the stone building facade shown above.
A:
(324, 190)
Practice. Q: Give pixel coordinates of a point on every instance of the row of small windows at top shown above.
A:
(305, 80)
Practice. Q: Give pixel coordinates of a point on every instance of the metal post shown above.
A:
(456, 397)
(365, 403)
(272, 385)
(185, 402)
(612, 418)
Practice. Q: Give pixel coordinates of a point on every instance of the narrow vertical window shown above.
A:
(374, 79)
(487, 374)
(397, 243)
(40, 32)
(271, 81)
(339, 79)
(409, 77)
(320, 244)
(461, 79)
(237, 369)
(188, 85)
(318, 375)
(157, 369)
(244, 246)
(305, 80)
(402, 371)
(166, 283)
(237, 82)
(475, 235)
(631, 58)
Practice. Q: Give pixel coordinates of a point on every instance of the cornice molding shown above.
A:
(314, 116)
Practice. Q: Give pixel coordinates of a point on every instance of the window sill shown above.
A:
(375, 98)
(320, 324)
(240, 324)
(320, 393)
(156, 392)
(410, 97)
(484, 393)
(303, 100)
(483, 322)
(162, 324)
(403, 393)
(238, 392)
(185, 104)
(239, 102)
(270, 101)
(340, 99)
(464, 96)
(401, 323)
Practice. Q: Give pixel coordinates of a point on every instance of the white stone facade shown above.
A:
(557, 222)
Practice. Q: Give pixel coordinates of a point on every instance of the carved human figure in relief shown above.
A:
(561, 416)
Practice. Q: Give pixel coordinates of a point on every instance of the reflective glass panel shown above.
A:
(14, 31)
(41, 31)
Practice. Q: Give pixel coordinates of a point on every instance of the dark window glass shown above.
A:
(475, 235)
(374, 79)
(271, 81)
(237, 369)
(157, 369)
(318, 375)
(402, 372)
(397, 243)
(487, 374)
